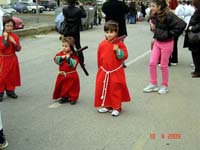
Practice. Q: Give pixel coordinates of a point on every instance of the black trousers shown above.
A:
(2, 138)
(174, 57)
(196, 60)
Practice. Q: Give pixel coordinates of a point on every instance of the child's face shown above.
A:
(110, 35)
(66, 47)
(9, 27)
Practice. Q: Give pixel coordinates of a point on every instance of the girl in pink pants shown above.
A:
(167, 26)
(161, 52)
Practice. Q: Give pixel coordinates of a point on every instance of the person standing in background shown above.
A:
(194, 26)
(72, 18)
(116, 10)
(133, 12)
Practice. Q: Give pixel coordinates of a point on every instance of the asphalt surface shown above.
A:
(149, 122)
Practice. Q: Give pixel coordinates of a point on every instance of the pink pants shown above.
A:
(161, 53)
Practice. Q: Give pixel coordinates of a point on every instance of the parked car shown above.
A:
(32, 7)
(19, 24)
(20, 7)
(8, 9)
(48, 4)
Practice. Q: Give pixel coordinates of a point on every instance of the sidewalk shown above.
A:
(34, 24)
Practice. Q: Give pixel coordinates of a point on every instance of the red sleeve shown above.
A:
(17, 46)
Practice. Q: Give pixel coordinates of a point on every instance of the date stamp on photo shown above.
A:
(170, 136)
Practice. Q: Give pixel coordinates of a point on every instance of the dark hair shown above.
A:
(70, 40)
(162, 3)
(164, 9)
(111, 26)
(71, 2)
(196, 4)
(6, 20)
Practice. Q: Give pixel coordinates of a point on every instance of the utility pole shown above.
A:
(37, 11)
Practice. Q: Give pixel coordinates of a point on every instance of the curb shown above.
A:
(35, 30)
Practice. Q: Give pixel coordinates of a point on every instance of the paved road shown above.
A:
(35, 122)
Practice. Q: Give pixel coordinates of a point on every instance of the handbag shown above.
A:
(62, 27)
(193, 38)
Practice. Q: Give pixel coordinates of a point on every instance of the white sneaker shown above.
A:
(103, 110)
(115, 113)
(163, 90)
(4, 145)
(173, 64)
(151, 88)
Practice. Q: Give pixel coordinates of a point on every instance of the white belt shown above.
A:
(105, 83)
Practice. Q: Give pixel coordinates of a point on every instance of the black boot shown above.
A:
(63, 100)
(72, 102)
(1, 97)
(11, 94)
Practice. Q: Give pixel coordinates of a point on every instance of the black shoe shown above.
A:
(196, 75)
(72, 102)
(1, 98)
(11, 94)
(63, 100)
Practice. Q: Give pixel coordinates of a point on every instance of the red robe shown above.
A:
(67, 85)
(117, 90)
(9, 65)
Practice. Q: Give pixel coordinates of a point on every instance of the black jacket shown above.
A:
(195, 23)
(73, 15)
(116, 10)
(171, 27)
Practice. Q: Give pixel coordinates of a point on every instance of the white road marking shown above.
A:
(128, 63)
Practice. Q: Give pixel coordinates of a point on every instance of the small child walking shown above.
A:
(67, 85)
(111, 88)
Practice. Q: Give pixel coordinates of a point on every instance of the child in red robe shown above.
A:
(67, 84)
(111, 88)
(9, 66)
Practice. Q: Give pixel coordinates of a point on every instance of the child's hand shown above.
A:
(5, 34)
(63, 57)
(68, 55)
(116, 47)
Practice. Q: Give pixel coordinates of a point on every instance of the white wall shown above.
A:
(5, 1)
